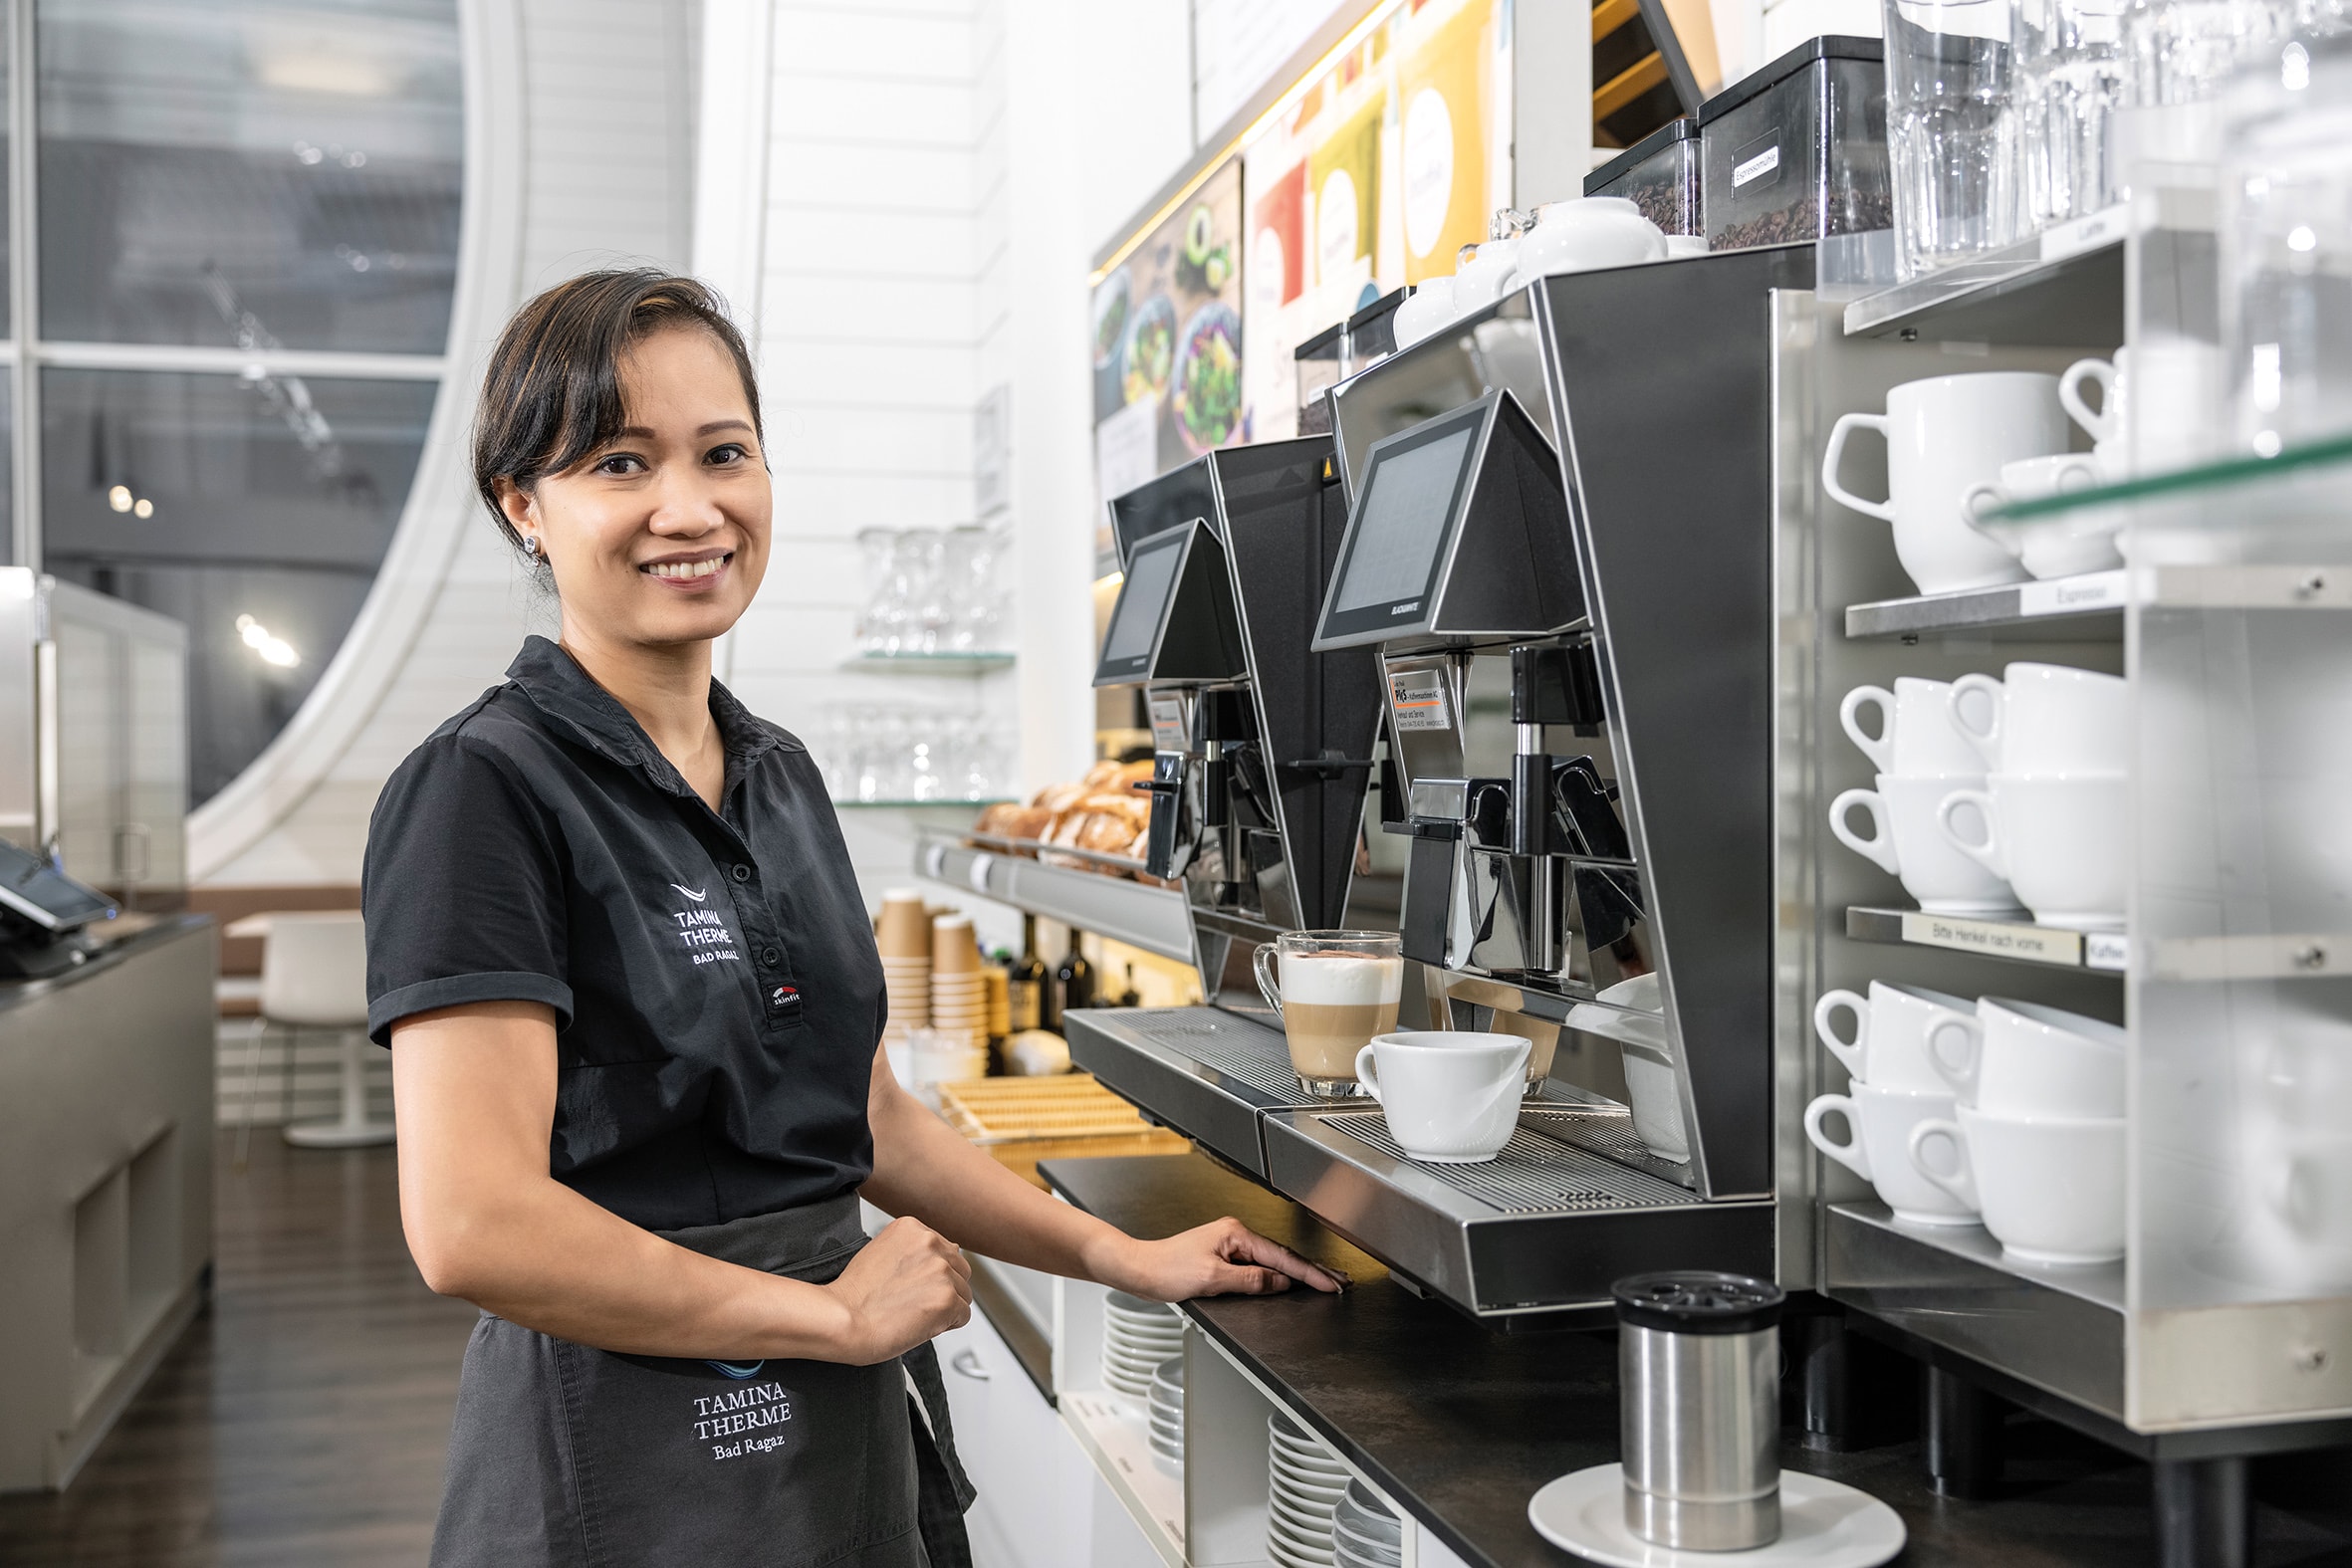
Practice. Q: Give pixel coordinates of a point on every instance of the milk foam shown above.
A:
(1340, 980)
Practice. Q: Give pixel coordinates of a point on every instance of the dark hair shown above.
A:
(552, 394)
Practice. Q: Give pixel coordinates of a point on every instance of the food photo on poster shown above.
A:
(1167, 339)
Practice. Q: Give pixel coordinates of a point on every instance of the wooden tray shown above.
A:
(1068, 1116)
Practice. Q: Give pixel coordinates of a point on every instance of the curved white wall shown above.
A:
(579, 153)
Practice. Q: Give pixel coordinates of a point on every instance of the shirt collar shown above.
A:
(566, 694)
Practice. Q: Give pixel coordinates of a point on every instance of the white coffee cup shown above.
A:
(1879, 1122)
(2159, 407)
(1890, 1045)
(2062, 842)
(1915, 736)
(1907, 841)
(2051, 1189)
(1429, 307)
(1943, 436)
(1450, 1096)
(2021, 1058)
(2065, 546)
(2045, 719)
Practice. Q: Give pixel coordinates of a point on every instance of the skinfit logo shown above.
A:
(695, 893)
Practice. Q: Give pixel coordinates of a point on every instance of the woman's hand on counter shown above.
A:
(1223, 1257)
(908, 1284)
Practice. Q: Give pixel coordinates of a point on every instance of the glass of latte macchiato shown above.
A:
(1336, 989)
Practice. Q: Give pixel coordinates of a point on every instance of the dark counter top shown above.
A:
(1461, 1423)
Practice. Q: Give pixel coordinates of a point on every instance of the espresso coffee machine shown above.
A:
(1262, 757)
(1561, 544)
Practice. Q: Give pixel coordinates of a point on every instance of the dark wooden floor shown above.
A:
(301, 1419)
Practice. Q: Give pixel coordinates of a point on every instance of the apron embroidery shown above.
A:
(745, 1409)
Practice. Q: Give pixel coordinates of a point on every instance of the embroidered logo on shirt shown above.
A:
(695, 893)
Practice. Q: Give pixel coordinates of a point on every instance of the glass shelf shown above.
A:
(906, 806)
(928, 663)
(2018, 940)
(2228, 479)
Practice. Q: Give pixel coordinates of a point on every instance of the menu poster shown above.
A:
(1168, 341)
(1400, 152)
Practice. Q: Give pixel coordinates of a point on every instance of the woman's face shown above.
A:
(659, 538)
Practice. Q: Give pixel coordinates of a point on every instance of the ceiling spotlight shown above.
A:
(119, 498)
(142, 508)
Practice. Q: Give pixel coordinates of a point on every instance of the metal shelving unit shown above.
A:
(1150, 917)
(2062, 289)
(2020, 940)
(2087, 608)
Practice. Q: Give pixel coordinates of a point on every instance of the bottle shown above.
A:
(1130, 998)
(1073, 985)
(1025, 980)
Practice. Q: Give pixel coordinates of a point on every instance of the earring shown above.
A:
(531, 545)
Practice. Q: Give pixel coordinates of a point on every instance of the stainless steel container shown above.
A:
(1698, 1368)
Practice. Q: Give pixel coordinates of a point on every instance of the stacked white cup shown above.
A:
(2038, 1144)
(1921, 756)
(2053, 818)
(1896, 1090)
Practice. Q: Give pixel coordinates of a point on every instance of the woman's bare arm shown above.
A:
(475, 1090)
(923, 1168)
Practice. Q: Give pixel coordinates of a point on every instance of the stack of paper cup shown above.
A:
(959, 992)
(904, 936)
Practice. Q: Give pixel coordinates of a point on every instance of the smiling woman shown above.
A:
(635, 1010)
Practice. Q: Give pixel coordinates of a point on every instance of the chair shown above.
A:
(313, 976)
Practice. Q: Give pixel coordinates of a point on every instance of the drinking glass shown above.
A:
(2286, 246)
(2070, 82)
(1952, 132)
(878, 547)
(2177, 56)
(1336, 990)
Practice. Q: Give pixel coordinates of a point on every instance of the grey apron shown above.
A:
(563, 1457)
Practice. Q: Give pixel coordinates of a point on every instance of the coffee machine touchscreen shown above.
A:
(1144, 601)
(1414, 484)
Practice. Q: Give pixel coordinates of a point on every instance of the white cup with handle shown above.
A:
(1916, 737)
(2064, 545)
(2051, 1189)
(1943, 436)
(1451, 1097)
(1878, 1148)
(2061, 842)
(2159, 407)
(2042, 719)
(1907, 840)
(2021, 1058)
(1889, 1048)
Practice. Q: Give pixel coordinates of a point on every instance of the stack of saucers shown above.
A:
(1303, 1484)
(1167, 1417)
(1364, 1534)
(1138, 1335)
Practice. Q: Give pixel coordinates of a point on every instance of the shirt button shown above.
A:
(771, 957)
(741, 873)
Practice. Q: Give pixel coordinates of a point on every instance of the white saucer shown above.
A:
(1823, 1524)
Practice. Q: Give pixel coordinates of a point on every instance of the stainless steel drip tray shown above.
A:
(1209, 1074)
(1545, 1228)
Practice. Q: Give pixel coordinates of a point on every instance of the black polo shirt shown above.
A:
(718, 997)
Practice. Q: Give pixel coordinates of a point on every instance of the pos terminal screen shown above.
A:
(1151, 574)
(32, 889)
